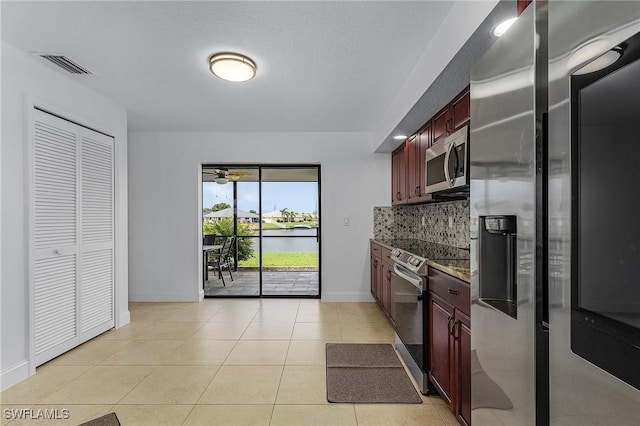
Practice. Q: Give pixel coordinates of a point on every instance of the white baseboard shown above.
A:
(13, 375)
(200, 295)
(164, 297)
(123, 319)
(347, 297)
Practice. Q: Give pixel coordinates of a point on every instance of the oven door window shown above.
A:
(409, 316)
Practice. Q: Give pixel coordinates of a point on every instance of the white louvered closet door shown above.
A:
(96, 247)
(72, 235)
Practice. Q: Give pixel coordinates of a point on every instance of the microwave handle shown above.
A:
(457, 166)
(446, 164)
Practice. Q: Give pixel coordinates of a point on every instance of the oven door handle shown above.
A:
(404, 274)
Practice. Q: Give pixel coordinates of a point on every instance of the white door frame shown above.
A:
(32, 103)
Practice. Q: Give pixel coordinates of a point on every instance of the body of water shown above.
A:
(304, 240)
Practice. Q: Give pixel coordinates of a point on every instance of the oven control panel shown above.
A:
(410, 261)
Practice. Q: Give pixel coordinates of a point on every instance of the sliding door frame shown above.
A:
(260, 236)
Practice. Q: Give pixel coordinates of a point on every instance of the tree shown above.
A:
(253, 211)
(224, 227)
(220, 206)
(292, 216)
(284, 213)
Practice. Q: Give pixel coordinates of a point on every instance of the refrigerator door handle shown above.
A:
(545, 224)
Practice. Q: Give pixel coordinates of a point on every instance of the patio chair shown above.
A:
(222, 258)
(209, 239)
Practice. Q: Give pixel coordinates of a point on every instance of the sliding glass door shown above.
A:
(274, 214)
(290, 231)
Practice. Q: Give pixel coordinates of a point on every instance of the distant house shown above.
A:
(272, 217)
(243, 216)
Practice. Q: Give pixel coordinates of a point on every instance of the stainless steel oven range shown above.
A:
(409, 287)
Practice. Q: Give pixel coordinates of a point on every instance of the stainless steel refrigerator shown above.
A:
(537, 236)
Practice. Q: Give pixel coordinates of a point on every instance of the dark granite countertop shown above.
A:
(451, 260)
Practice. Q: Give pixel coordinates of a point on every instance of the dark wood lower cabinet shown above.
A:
(375, 264)
(381, 277)
(441, 345)
(450, 342)
(462, 350)
(385, 300)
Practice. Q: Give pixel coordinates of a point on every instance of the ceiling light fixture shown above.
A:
(221, 180)
(503, 26)
(232, 66)
(601, 62)
(400, 137)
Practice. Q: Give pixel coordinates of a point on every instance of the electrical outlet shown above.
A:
(450, 221)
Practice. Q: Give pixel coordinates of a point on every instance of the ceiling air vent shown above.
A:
(66, 64)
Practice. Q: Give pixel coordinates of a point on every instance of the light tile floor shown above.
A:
(219, 362)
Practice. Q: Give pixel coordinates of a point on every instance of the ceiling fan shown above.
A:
(223, 175)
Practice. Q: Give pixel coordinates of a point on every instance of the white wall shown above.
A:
(165, 203)
(465, 17)
(26, 81)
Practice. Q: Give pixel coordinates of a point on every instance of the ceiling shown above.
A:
(322, 65)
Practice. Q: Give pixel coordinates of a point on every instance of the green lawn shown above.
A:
(272, 259)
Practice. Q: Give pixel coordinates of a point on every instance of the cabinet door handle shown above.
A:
(398, 196)
(454, 292)
(375, 263)
(456, 329)
(450, 325)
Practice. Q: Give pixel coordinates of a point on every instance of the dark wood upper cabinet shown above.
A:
(440, 124)
(413, 168)
(452, 117)
(408, 163)
(425, 136)
(399, 176)
(522, 5)
(461, 109)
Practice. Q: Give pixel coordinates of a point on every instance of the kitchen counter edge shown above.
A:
(459, 268)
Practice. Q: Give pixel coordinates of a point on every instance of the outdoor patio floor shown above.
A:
(274, 283)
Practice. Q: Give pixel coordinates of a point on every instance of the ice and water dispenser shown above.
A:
(497, 263)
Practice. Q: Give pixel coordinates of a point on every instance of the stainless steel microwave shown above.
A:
(447, 163)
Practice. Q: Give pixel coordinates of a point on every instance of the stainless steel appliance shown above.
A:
(605, 302)
(409, 287)
(520, 166)
(447, 163)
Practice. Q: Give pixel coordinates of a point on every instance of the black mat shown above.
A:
(367, 374)
(107, 420)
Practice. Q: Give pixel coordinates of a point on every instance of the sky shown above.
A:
(301, 197)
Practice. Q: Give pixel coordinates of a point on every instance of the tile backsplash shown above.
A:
(429, 222)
